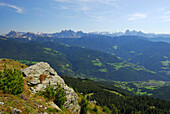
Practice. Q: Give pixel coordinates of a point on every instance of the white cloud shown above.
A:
(166, 16)
(19, 10)
(137, 16)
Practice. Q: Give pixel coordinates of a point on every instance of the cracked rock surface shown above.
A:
(33, 72)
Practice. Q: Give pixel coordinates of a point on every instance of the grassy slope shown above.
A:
(11, 64)
(27, 102)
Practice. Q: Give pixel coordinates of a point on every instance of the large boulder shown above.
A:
(33, 74)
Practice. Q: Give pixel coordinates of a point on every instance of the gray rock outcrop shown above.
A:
(33, 73)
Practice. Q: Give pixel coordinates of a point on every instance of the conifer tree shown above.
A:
(11, 81)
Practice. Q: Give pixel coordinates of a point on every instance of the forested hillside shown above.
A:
(154, 56)
(75, 61)
(117, 100)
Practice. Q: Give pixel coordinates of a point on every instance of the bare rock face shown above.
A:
(33, 72)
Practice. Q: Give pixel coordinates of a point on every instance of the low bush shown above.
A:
(11, 81)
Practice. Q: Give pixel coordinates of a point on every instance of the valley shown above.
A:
(123, 69)
(149, 88)
(84, 57)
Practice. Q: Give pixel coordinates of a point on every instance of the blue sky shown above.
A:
(86, 15)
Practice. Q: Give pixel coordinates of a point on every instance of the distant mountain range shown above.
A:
(151, 36)
(78, 34)
(30, 35)
(133, 33)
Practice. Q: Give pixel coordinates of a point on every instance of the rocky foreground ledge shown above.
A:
(33, 73)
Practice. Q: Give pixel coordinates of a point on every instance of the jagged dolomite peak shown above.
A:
(33, 73)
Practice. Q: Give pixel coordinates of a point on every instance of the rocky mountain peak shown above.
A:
(12, 34)
(33, 73)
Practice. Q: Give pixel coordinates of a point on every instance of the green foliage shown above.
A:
(162, 92)
(115, 47)
(127, 104)
(135, 49)
(57, 94)
(59, 97)
(166, 63)
(97, 62)
(114, 109)
(52, 110)
(95, 109)
(132, 52)
(106, 109)
(11, 81)
(49, 91)
(103, 70)
(84, 105)
(75, 61)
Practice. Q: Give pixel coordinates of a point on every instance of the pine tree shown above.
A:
(59, 97)
(11, 81)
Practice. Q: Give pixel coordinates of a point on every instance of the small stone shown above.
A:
(52, 104)
(16, 111)
(40, 106)
(1, 103)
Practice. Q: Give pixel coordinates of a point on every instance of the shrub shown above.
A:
(106, 109)
(11, 81)
(84, 105)
(49, 91)
(59, 97)
(95, 109)
(57, 94)
(42, 78)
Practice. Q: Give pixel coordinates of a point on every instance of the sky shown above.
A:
(150, 16)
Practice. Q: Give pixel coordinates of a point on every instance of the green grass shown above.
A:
(117, 93)
(67, 45)
(52, 52)
(165, 57)
(48, 49)
(149, 94)
(117, 66)
(97, 62)
(132, 52)
(165, 63)
(90, 94)
(27, 62)
(67, 65)
(130, 89)
(115, 47)
(103, 70)
(49, 53)
(140, 87)
(164, 68)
